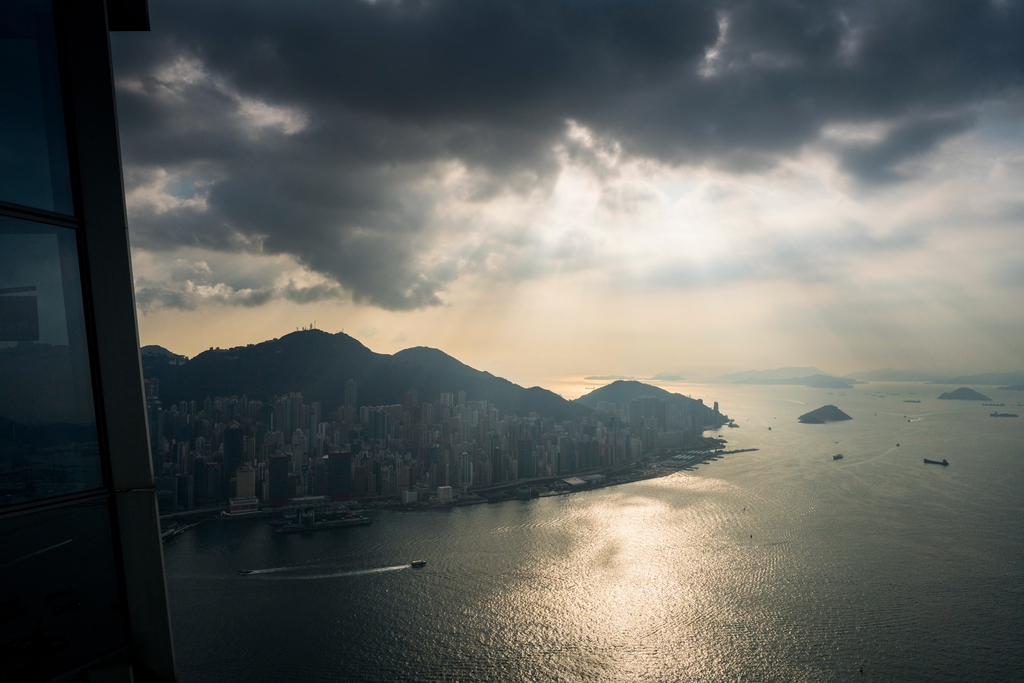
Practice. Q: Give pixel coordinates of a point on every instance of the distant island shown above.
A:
(824, 414)
(1013, 387)
(964, 394)
(813, 381)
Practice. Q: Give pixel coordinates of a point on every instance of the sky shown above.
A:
(552, 188)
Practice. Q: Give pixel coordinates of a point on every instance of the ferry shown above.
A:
(944, 463)
(837, 456)
(245, 572)
(911, 400)
(296, 527)
(418, 564)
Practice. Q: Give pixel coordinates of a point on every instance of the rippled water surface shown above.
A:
(777, 565)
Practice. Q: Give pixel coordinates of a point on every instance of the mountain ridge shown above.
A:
(318, 364)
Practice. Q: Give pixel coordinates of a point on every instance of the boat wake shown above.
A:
(323, 574)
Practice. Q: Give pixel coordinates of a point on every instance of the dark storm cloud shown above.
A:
(314, 128)
(879, 161)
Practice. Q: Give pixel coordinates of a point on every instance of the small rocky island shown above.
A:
(824, 414)
(964, 394)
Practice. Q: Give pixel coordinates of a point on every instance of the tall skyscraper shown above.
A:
(525, 460)
(339, 474)
(245, 478)
(350, 393)
(234, 454)
(278, 467)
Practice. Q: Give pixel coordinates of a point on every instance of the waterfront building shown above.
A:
(244, 505)
(245, 482)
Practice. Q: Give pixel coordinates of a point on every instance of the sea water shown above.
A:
(776, 565)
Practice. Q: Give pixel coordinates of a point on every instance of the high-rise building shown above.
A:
(245, 482)
(278, 474)
(234, 454)
(524, 456)
(350, 393)
(339, 474)
(444, 494)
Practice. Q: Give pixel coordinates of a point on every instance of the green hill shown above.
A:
(623, 391)
(318, 364)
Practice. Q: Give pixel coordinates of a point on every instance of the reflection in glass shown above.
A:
(58, 591)
(48, 442)
(33, 146)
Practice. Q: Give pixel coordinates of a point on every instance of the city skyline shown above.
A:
(840, 182)
(244, 454)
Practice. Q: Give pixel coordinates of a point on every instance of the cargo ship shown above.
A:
(911, 400)
(1002, 415)
(944, 463)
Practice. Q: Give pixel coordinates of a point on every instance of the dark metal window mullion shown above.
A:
(61, 14)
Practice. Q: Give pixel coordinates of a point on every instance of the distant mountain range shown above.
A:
(987, 379)
(893, 375)
(815, 381)
(660, 377)
(318, 364)
(623, 391)
(790, 374)
(671, 376)
(778, 373)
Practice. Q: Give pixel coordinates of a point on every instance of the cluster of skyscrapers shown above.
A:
(252, 453)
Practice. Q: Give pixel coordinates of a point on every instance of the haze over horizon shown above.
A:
(571, 189)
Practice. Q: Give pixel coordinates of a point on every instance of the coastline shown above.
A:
(661, 463)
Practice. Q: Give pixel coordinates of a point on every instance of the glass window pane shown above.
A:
(48, 442)
(59, 604)
(33, 146)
